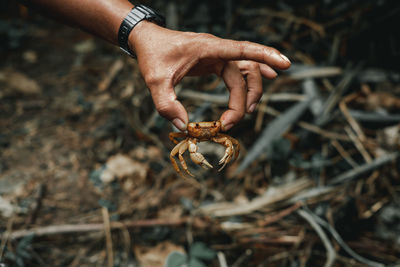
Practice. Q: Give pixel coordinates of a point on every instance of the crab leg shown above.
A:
(180, 149)
(173, 136)
(197, 157)
(175, 151)
(232, 148)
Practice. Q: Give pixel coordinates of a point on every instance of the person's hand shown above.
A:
(166, 56)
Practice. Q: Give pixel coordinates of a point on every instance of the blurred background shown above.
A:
(85, 175)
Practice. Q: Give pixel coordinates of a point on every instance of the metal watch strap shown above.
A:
(137, 14)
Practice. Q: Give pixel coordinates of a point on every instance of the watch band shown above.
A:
(136, 15)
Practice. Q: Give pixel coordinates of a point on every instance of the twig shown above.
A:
(107, 230)
(282, 239)
(335, 96)
(306, 72)
(222, 259)
(353, 123)
(115, 68)
(344, 153)
(280, 215)
(242, 258)
(358, 144)
(37, 203)
(264, 101)
(310, 127)
(222, 99)
(286, 16)
(272, 195)
(374, 208)
(273, 131)
(349, 175)
(81, 253)
(374, 116)
(312, 193)
(91, 227)
(6, 236)
(342, 243)
(331, 253)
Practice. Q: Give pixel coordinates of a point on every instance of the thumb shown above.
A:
(168, 106)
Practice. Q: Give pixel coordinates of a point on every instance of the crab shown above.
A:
(199, 132)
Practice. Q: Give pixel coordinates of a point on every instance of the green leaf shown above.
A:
(193, 262)
(201, 251)
(176, 259)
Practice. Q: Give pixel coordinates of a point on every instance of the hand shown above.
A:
(166, 56)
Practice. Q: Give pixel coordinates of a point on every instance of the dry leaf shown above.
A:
(155, 256)
(20, 82)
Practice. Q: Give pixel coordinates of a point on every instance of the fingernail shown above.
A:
(252, 107)
(179, 124)
(285, 58)
(227, 127)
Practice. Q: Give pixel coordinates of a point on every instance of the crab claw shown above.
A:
(197, 157)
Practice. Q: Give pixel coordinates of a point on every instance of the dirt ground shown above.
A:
(85, 175)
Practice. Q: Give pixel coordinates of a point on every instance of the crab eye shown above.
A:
(197, 125)
(215, 124)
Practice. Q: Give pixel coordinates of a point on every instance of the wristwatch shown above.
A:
(136, 15)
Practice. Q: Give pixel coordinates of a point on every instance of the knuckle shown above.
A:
(151, 79)
(205, 35)
(242, 49)
(240, 114)
(242, 83)
(155, 76)
(205, 44)
(251, 65)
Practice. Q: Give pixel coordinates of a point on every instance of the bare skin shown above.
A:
(166, 56)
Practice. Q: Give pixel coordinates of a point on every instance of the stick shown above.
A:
(107, 230)
(272, 132)
(272, 195)
(115, 68)
(6, 237)
(91, 227)
(353, 123)
(280, 215)
(358, 144)
(331, 253)
(344, 153)
(222, 99)
(343, 244)
(349, 175)
(310, 127)
(222, 259)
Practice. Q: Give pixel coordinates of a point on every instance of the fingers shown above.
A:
(237, 100)
(243, 50)
(267, 71)
(168, 106)
(251, 70)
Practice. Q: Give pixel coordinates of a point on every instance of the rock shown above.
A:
(120, 166)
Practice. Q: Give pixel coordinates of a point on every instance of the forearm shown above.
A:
(98, 17)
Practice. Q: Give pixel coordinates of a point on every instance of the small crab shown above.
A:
(199, 132)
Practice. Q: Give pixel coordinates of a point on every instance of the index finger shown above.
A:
(243, 50)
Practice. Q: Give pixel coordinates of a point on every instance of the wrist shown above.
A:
(134, 20)
(141, 34)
